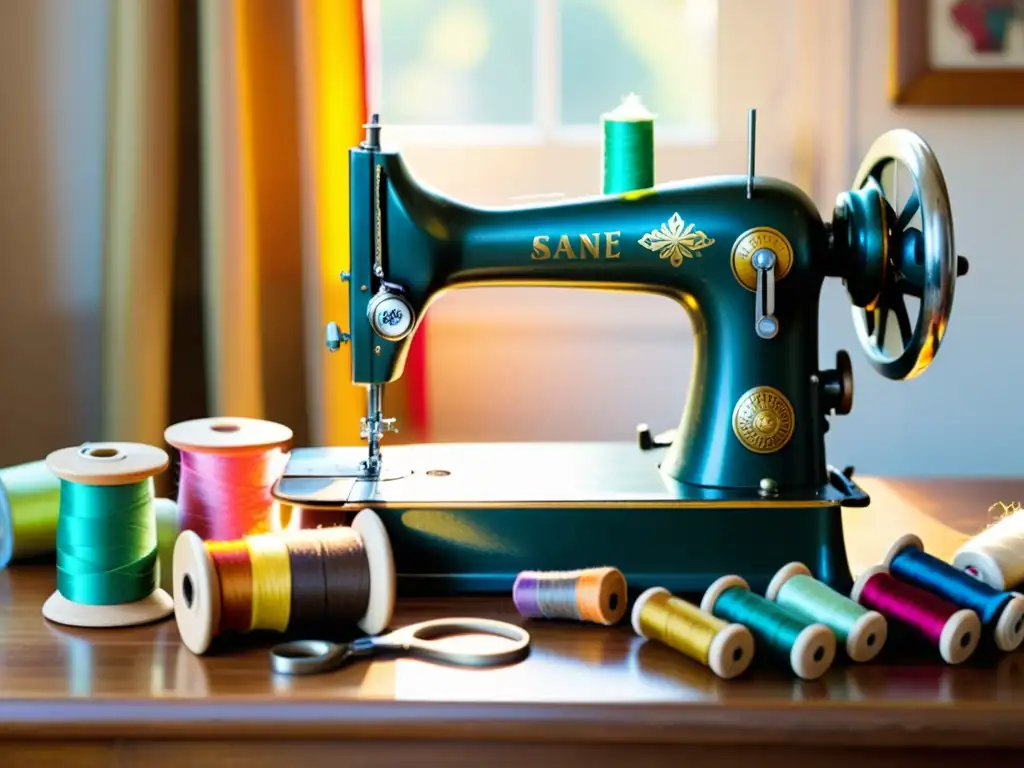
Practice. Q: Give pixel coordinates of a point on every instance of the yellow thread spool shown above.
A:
(726, 648)
(271, 582)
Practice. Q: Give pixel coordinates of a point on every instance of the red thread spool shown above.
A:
(955, 631)
(228, 469)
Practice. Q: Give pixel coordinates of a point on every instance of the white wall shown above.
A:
(962, 417)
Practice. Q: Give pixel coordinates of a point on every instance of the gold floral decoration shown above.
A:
(676, 241)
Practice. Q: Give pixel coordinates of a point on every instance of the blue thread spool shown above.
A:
(1001, 613)
(809, 647)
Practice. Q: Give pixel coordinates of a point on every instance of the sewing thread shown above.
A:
(321, 581)
(996, 555)
(954, 631)
(227, 470)
(628, 147)
(1001, 613)
(862, 632)
(29, 506)
(728, 649)
(808, 647)
(108, 568)
(596, 595)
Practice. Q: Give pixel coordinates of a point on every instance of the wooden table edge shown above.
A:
(818, 723)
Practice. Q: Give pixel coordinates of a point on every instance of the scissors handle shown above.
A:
(310, 657)
(418, 639)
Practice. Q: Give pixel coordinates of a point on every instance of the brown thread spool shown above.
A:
(320, 580)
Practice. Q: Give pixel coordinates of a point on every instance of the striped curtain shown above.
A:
(255, 103)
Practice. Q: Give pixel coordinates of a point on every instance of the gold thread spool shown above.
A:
(727, 649)
(271, 582)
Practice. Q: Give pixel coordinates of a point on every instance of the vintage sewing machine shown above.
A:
(742, 484)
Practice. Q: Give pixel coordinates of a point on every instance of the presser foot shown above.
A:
(465, 519)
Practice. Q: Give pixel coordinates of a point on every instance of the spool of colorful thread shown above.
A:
(1001, 613)
(107, 560)
(726, 648)
(863, 632)
(809, 647)
(628, 147)
(996, 555)
(228, 469)
(321, 581)
(29, 506)
(954, 631)
(595, 595)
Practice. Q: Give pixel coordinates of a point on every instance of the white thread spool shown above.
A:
(996, 555)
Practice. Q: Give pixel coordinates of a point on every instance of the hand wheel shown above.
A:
(902, 260)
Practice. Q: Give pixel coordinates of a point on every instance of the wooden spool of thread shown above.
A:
(228, 469)
(953, 630)
(996, 555)
(726, 648)
(321, 581)
(628, 148)
(107, 561)
(1001, 613)
(595, 595)
(29, 506)
(809, 647)
(863, 632)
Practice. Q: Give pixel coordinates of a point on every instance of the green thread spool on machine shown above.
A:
(742, 484)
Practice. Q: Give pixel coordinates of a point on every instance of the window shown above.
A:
(498, 102)
(548, 65)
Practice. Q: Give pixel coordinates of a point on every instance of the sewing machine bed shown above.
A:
(466, 518)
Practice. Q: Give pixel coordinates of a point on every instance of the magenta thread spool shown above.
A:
(954, 631)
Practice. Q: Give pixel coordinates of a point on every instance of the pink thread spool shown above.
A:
(228, 467)
(953, 630)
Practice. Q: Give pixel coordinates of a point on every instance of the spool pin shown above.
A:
(197, 598)
(1008, 629)
(960, 634)
(235, 438)
(108, 464)
(863, 640)
(815, 648)
(731, 649)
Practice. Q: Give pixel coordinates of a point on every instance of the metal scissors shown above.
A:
(310, 657)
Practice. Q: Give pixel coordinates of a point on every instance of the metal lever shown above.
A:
(764, 260)
(336, 337)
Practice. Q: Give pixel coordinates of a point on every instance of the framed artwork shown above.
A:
(958, 53)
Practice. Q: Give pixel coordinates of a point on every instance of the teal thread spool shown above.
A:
(809, 647)
(862, 631)
(108, 570)
(628, 147)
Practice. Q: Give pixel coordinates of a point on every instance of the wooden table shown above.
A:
(586, 696)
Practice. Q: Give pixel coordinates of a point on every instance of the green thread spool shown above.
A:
(29, 501)
(809, 647)
(628, 147)
(108, 570)
(863, 632)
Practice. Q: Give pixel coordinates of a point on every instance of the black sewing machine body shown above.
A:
(742, 485)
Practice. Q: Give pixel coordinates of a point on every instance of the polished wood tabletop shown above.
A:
(601, 689)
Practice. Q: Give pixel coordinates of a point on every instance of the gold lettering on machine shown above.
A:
(587, 246)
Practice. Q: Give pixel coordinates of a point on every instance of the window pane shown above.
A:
(457, 62)
(663, 50)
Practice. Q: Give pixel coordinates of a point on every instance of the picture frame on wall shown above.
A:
(962, 53)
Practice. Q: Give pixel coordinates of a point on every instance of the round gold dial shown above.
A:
(763, 420)
(752, 240)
